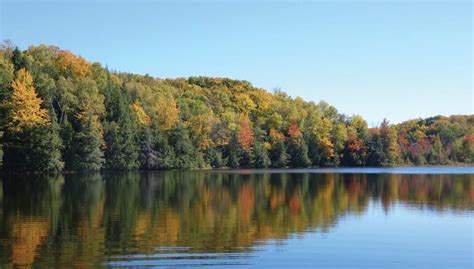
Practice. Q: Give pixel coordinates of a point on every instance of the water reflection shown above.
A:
(201, 218)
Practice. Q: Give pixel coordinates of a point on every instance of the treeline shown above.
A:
(61, 112)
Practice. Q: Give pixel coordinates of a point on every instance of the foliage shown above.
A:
(23, 105)
(96, 119)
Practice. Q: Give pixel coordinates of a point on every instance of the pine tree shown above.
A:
(214, 157)
(278, 156)
(298, 153)
(1, 150)
(185, 154)
(261, 159)
(19, 60)
(233, 152)
(87, 144)
(166, 157)
(121, 150)
(45, 154)
(375, 151)
(148, 156)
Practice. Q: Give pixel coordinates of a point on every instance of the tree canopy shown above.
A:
(79, 115)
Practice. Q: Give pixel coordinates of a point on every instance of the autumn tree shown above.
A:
(355, 152)
(245, 135)
(24, 106)
(277, 153)
(84, 137)
(297, 148)
(31, 139)
(66, 108)
(71, 64)
(382, 146)
(245, 138)
(320, 146)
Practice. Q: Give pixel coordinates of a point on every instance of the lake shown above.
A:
(322, 218)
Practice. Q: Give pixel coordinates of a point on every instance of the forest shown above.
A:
(60, 112)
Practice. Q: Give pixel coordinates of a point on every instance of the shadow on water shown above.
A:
(195, 218)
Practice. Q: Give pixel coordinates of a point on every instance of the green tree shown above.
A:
(298, 153)
(166, 154)
(233, 152)
(214, 157)
(86, 146)
(186, 156)
(436, 154)
(148, 156)
(121, 150)
(31, 141)
(278, 156)
(261, 159)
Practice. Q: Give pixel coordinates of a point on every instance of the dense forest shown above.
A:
(61, 112)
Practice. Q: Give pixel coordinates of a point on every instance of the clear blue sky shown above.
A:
(399, 59)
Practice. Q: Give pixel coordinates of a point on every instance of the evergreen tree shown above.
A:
(148, 156)
(298, 153)
(67, 135)
(313, 155)
(376, 155)
(19, 60)
(278, 156)
(214, 157)
(1, 150)
(121, 151)
(166, 157)
(233, 152)
(261, 159)
(45, 149)
(87, 144)
(185, 155)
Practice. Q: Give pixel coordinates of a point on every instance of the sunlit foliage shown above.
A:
(99, 119)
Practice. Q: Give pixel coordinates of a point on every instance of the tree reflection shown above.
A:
(85, 220)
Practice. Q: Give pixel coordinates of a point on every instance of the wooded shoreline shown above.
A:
(60, 112)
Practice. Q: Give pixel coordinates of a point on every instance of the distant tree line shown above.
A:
(61, 112)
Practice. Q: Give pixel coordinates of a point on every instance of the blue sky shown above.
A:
(380, 59)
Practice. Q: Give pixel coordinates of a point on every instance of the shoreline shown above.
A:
(339, 169)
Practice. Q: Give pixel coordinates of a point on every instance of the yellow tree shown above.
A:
(24, 104)
(167, 113)
(31, 142)
(70, 62)
(142, 117)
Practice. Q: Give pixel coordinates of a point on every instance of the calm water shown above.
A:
(349, 218)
